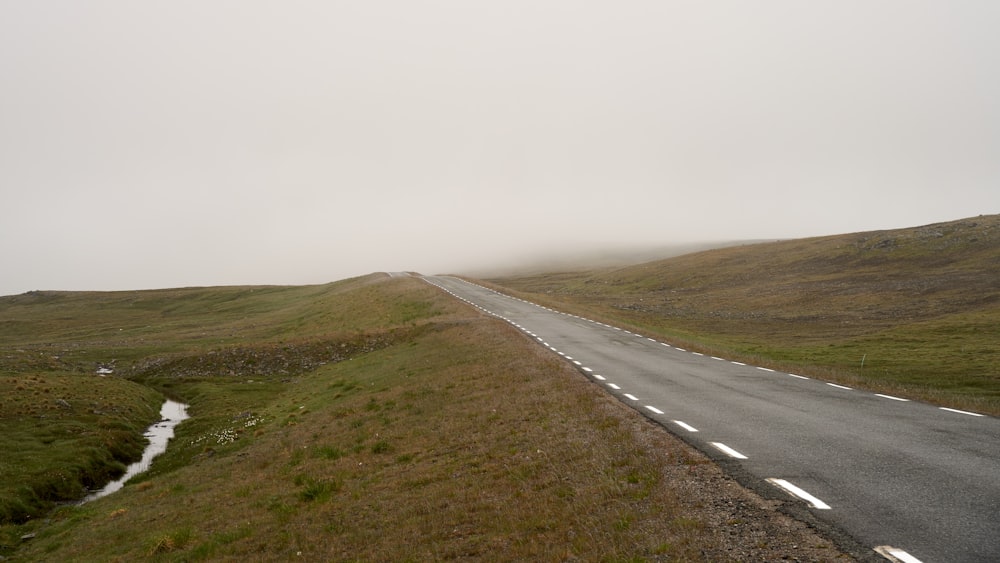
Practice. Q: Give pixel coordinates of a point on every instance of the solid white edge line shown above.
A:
(685, 426)
(896, 554)
(632, 397)
(813, 501)
(654, 409)
(727, 450)
(960, 412)
(891, 397)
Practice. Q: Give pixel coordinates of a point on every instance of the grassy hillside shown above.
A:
(915, 311)
(61, 436)
(66, 429)
(372, 419)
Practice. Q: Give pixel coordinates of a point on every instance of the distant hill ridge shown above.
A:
(956, 263)
(916, 306)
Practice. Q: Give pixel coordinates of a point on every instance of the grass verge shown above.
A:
(456, 438)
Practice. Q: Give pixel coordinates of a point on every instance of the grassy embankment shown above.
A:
(370, 419)
(913, 312)
(66, 429)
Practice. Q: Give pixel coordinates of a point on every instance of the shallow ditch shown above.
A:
(159, 434)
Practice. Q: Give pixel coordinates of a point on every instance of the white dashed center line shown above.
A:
(727, 450)
(891, 397)
(889, 552)
(960, 412)
(895, 554)
(813, 501)
(685, 426)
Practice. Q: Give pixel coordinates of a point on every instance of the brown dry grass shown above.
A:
(463, 442)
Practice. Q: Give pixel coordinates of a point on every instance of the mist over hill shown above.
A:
(596, 257)
(916, 309)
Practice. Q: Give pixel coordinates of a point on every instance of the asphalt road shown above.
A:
(904, 477)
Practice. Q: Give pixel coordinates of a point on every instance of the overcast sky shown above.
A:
(165, 144)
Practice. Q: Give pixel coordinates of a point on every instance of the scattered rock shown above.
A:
(268, 359)
(63, 403)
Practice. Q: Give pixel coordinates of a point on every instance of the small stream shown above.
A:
(171, 414)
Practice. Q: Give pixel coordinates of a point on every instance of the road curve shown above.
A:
(907, 480)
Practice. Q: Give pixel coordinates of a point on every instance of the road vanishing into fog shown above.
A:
(913, 481)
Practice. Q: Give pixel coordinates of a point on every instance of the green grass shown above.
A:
(65, 433)
(920, 306)
(225, 351)
(379, 419)
(428, 432)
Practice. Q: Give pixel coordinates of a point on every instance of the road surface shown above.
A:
(914, 481)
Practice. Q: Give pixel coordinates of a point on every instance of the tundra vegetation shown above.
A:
(913, 312)
(371, 419)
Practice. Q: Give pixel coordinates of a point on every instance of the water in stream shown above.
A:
(171, 414)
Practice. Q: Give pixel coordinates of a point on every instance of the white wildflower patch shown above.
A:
(229, 434)
(252, 421)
